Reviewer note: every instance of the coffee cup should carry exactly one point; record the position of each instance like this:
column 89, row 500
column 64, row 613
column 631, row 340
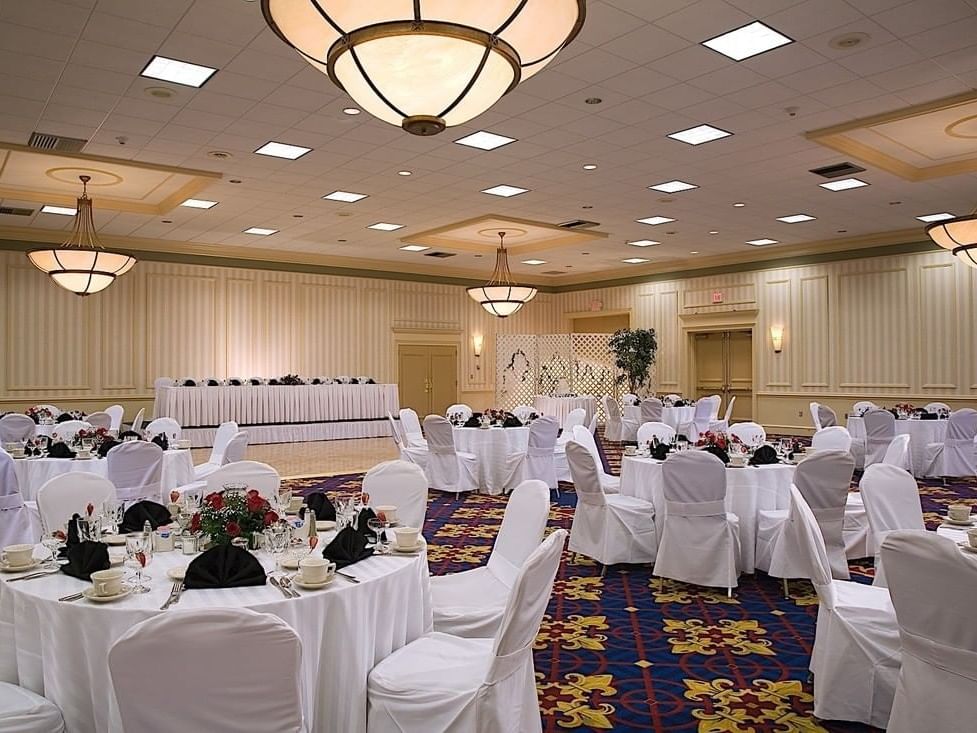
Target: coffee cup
column 407, row 537
column 83, row 453
column 107, row 582
column 315, row 569
column 17, row 555
column 389, row 511
column 959, row 512
column 17, row 452
column 630, row 450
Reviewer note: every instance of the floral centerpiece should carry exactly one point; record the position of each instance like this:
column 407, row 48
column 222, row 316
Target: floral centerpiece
column 710, row 439
column 495, row 415
column 291, row 380
column 38, row 413
column 96, row 436
column 230, row 514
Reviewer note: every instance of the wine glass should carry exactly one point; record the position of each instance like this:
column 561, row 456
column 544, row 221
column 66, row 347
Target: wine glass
column 376, row 525
column 113, row 510
column 139, row 554
column 52, row 544
column 284, row 500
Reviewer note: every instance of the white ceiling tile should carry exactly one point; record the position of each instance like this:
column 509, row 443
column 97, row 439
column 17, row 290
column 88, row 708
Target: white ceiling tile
column 647, row 43
column 704, row 20
column 812, row 17
column 922, row 15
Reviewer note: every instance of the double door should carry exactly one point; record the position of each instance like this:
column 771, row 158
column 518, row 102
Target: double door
column 428, row 378
column 724, row 366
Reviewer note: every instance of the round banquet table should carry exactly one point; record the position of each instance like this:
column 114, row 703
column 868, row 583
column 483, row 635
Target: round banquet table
column 749, row 490
column 921, row 433
column 675, row 417
column 560, row 407
column 60, row 650
column 493, row 446
column 33, row 473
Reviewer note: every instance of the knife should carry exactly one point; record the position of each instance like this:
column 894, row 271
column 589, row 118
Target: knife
column 34, row 575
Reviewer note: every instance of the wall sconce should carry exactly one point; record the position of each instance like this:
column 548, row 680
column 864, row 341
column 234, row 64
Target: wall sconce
column 777, row 337
column 477, row 349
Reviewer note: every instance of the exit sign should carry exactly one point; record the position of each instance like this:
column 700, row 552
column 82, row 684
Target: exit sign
column 717, row 296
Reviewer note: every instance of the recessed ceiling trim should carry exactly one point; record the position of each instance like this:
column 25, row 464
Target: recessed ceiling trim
column 524, row 236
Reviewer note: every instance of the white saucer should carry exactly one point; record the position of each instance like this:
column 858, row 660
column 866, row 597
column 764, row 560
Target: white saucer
column 325, row 524
column 5, row 568
column 177, row 573
column 114, row 539
column 291, row 561
column 89, row 593
column 958, row 523
column 312, row 586
column 412, row 550
column 965, row 546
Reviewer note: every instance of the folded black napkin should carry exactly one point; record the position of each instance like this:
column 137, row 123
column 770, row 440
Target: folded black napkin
column 213, row 383
column 660, row 451
column 362, row 521
column 765, row 455
column 354, row 380
column 718, row 452
column 60, row 450
column 273, row 382
column 136, row 515
column 511, row 421
column 371, row 380
column 680, row 403
column 162, row 441
column 474, row 421
column 189, row 383
column 129, row 434
column 348, row 547
column 317, row 381
column 255, row 382
column 234, row 382
column 64, row 417
column 84, row 558
column 224, row 566
column 320, row 504
column 929, row 416
column 106, row 446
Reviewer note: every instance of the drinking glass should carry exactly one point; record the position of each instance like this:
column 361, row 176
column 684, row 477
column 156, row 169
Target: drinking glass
column 139, row 554
column 191, row 500
column 113, row 510
column 52, row 543
column 377, row 527
column 90, row 528
column 277, row 537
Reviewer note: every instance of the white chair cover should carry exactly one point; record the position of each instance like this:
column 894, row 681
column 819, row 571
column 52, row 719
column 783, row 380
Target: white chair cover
column 464, row 410
column 400, row 484
column 222, row 437
column 860, row 408
column 471, row 603
column 815, row 417
column 255, row 474
column 880, row 429
column 539, row 460
column 835, row 437
column 936, row 406
column 68, row 429
column 448, row 469
column 823, row 480
column 164, row 425
column 135, row 468
column 891, row 499
column 410, row 454
column 116, row 413
column 610, row 528
column 69, row 494
column 751, row 434
column 411, row 428
column 575, row 417
column 629, row 398
column 16, row 428
column 522, row 413
column 706, row 411
column 23, row 711
column 651, row 410
column 237, row 448
column 827, row 416
column 934, row 591
column 256, row 656
column 897, row 454
column 723, row 425
column 100, row 420
column 137, row 422
column 610, row 484
column 955, row 456
column 449, row 684
column 395, row 431
column 700, row 540
column 616, row 427
column 15, row 520
column 855, row 660
column 664, row 433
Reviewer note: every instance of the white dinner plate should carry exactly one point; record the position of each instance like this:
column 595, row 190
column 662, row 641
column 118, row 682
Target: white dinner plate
column 5, row 568
column 177, row 573
column 89, row 593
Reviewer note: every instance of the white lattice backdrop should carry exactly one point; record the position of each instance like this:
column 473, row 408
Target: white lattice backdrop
column 515, row 370
column 554, row 359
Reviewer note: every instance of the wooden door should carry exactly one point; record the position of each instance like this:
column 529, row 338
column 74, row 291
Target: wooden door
column 724, row 366
column 710, row 366
column 443, row 378
column 428, row 377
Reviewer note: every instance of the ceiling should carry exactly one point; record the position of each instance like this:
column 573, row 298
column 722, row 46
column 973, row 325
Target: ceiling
column 71, row 68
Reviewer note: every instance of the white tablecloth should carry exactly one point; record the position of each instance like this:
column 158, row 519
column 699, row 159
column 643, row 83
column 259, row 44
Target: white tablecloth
column 920, row 432
column 748, row 491
column 493, row 446
column 560, row 407
column 673, row 416
column 60, row 650
column 33, row 473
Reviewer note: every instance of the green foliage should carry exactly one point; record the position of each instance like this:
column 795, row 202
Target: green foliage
column 634, row 353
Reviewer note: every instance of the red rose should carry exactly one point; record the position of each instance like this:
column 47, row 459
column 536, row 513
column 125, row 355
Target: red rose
column 232, row 528
column 195, row 522
column 214, row 501
column 270, row 518
column 255, row 503
column 59, row 534
column 252, row 492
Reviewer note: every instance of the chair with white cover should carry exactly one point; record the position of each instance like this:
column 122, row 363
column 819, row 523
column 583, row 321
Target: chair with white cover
column 237, row 448
column 23, row 711
column 860, row 408
column 955, row 456
column 164, row 426
column 257, row 657
column 609, row 528
column 823, row 480
column 673, row 398
column 700, row 541
column 891, row 498
column 815, row 417
column 463, row 410
column 897, row 454
column 400, row 484
column 706, row 411
column 138, row 420
column 116, row 413
column 68, row 429
column 610, row 484
column 449, row 684
column 936, row 407
column 651, row 410
column 827, row 416
column 617, row 428
column 410, row 427
column 522, row 413
column 880, row 429
column 447, row 468
column 856, row 655
column 629, row 399
column 68, row 494
column 225, row 431
column 410, row 454
column 135, row 469
column 99, row 420
column 750, row 434
column 255, row 474
column 835, row 437
column 575, row 417
column 15, row 520
column 723, row 425
column 539, row 460
column 649, row 430
column 16, row 428
column 471, row 603
column 933, row 587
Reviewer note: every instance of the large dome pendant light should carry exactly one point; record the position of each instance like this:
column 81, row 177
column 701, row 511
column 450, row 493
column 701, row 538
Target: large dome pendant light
column 500, row 296
column 426, row 64
column 959, row 235
column 81, row 265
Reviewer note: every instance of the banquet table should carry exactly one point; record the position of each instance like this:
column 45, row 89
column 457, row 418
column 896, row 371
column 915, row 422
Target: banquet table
column 560, row 407
column 60, row 650
column 920, row 432
column 281, row 413
column 749, row 490
column 675, row 417
column 493, row 446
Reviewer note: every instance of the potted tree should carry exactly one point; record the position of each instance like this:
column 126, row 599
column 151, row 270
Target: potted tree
column 634, row 353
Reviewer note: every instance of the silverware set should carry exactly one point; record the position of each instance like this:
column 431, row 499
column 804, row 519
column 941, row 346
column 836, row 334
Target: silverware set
column 34, row 575
column 72, row 597
column 284, row 585
column 175, row 592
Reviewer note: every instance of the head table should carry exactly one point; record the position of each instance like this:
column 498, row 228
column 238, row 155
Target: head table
column 921, row 433
column 60, row 649
column 560, row 407
column 493, row 446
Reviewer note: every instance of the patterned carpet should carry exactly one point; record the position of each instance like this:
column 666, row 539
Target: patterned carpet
column 614, row 653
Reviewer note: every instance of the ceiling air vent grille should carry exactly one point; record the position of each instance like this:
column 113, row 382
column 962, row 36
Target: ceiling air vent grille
column 44, row 141
column 15, row 211
column 552, row 272
column 578, row 224
column 440, row 255
column 838, row 170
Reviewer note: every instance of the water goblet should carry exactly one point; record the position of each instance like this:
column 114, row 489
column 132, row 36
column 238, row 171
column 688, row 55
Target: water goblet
column 139, row 554
column 52, row 543
column 376, row 525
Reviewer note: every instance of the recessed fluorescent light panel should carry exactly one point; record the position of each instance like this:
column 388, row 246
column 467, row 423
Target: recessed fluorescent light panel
column 795, row 218
column 199, row 204
column 673, row 187
column 485, row 140
column 345, row 196
column 282, row 150
column 590, row 167
column 654, row 220
column 414, row 248
column 929, row 218
column 844, row 184
column 762, row 242
column 699, row 134
column 643, row 243
column 178, row 72
column 505, row 191
column 260, row 231
column 750, row 40
column 635, row 260
column 534, row 262
column 383, row 226
column 63, row 210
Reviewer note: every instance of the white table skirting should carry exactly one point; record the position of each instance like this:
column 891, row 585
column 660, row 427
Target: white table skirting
column 560, row 407
column 920, row 432
column 749, row 490
column 676, row 417
column 493, row 446
column 60, row 650
column 273, row 413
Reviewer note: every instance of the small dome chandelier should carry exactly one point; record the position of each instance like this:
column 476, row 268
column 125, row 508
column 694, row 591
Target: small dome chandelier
column 81, row 264
column 500, row 296
column 959, row 235
column 428, row 64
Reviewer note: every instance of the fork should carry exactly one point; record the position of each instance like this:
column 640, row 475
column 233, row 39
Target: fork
column 274, row 581
column 174, row 594
column 34, row 575
column 286, row 582
column 72, row 597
